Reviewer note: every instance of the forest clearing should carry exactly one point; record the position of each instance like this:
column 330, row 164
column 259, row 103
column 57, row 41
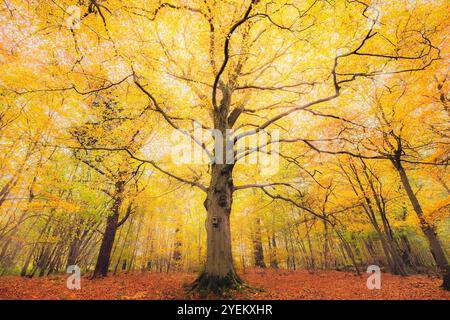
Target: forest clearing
column 208, row 148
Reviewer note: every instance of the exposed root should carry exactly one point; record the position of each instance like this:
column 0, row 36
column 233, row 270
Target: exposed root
column 220, row 286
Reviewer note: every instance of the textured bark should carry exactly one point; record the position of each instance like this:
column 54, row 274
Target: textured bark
column 219, row 260
column 104, row 256
column 219, row 274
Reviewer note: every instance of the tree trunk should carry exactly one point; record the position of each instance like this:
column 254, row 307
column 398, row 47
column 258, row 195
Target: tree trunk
column 44, row 230
column 429, row 230
column 311, row 252
column 273, row 252
column 122, row 247
column 219, row 274
column 104, row 256
column 349, row 251
column 257, row 245
column 325, row 242
column 74, row 250
column 177, row 246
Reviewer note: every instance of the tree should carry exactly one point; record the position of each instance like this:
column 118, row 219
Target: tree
column 239, row 73
column 118, row 172
column 262, row 66
column 404, row 133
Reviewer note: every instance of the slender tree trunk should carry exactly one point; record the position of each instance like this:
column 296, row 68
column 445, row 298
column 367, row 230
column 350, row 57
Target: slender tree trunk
column 391, row 261
column 122, row 247
column 288, row 251
column 390, row 239
column 135, row 245
column 55, row 258
column 177, row 246
column 273, row 258
column 349, row 251
column 407, row 253
column 395, row 265
column 74, row 249
column 429, row 230
column 257, row 245
column 19, row 222
column 311, row 252
column 291, row 242
column 44, row 230
column 326, row 242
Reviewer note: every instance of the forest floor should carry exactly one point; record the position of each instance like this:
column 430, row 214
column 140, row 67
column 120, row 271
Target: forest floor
column 276, row 284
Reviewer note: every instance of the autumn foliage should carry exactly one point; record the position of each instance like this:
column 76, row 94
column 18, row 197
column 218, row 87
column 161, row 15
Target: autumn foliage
column 308, row 139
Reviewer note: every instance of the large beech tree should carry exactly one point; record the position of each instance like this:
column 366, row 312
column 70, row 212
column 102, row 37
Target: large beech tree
column 246, row 66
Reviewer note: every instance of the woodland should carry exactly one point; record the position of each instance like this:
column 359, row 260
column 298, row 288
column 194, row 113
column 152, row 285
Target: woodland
column 267, row 149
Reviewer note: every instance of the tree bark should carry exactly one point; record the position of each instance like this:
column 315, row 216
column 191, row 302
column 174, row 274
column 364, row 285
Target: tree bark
column 310, row 248
column 219, row 274
column 273, row 252
column 257, row 246
column 349, row 251
column 437, row 251
column 326, row 240
column 104, row 256
column 177, row 246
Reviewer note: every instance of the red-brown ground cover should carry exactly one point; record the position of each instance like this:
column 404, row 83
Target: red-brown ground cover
column 277, row 284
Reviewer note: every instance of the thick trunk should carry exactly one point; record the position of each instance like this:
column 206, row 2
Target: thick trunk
column 104, row 256
column 219, row 273
column 219, row 260
column 429, row 230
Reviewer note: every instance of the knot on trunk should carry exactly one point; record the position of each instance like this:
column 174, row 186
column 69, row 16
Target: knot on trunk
column 223, row 200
